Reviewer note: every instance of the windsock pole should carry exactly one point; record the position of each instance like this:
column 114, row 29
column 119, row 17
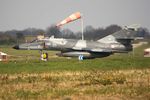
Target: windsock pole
column 82, row 28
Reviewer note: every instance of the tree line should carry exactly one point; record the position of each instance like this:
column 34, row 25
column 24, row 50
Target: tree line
column 90, row 33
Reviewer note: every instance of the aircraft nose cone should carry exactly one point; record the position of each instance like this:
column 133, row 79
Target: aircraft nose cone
column 16, row 47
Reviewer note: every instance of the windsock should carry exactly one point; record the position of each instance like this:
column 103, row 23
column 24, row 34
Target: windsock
column 71, row 18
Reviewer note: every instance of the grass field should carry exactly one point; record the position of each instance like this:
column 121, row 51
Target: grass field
column 120, row 76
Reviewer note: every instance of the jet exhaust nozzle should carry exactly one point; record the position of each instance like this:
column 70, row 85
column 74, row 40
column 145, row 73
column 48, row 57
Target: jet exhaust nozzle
column 16, row 47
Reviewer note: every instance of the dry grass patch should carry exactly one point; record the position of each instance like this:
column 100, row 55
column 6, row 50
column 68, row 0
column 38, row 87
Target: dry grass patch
column 94, row 84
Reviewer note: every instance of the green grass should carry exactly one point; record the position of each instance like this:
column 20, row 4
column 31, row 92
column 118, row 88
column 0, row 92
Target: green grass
column 74, row 65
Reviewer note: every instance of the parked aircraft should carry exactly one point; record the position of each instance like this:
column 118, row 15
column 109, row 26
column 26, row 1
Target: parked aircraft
column 118, row 42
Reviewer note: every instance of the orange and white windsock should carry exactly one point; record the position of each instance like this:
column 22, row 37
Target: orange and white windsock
column 71, row 18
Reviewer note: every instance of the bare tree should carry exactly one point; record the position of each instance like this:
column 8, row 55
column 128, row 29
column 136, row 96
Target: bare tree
column 53, row 30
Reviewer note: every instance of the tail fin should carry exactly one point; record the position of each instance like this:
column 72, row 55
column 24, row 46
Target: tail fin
column 133, row 27
column 125, row 35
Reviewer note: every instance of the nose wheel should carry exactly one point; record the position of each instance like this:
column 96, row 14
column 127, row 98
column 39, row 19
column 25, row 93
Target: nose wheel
column 43, row 56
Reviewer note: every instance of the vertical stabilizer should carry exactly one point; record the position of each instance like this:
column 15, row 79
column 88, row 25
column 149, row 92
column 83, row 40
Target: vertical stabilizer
column 125, row 35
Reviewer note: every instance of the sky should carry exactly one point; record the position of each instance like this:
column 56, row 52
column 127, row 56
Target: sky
column 22, row 14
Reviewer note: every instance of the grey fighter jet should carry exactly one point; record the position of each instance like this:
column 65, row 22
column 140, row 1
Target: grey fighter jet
column 118, row 42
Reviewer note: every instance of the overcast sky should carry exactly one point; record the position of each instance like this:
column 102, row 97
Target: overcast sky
column 21, row 14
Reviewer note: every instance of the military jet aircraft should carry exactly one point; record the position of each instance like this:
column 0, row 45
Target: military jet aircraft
column 118, row 42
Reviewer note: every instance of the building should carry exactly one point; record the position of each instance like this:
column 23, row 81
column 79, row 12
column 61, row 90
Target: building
column 3, row 56
column 147, row 52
